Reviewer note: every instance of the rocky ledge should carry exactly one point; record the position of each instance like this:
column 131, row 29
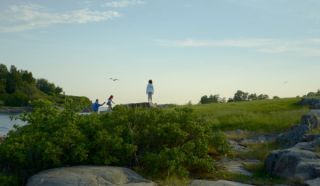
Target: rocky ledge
column 88, row 175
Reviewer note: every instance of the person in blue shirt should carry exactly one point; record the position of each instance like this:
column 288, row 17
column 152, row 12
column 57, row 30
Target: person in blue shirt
column 96, row 105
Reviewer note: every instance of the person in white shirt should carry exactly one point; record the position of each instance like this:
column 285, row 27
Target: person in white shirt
column 150, row 91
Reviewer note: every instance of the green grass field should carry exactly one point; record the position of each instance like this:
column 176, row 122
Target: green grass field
column 261, row 116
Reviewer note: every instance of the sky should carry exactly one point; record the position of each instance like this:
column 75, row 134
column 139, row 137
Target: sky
column 189, row 48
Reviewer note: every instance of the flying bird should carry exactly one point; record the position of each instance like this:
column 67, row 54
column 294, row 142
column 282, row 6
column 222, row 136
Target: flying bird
column 114, row 79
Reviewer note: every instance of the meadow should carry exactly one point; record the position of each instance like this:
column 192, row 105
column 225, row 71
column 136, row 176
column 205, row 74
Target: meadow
column 261, row 115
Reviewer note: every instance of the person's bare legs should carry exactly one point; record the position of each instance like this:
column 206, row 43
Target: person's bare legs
column 149, row 98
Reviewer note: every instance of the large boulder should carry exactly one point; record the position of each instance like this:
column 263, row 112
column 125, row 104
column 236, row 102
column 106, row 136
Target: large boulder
column 88, row 175
column 299, row 162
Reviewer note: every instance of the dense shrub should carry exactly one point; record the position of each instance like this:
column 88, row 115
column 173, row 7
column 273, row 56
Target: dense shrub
column 157, row 141
column 16, row 99
column 7, row 180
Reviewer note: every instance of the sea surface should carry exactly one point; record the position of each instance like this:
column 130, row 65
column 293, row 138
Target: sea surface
column 7, row 124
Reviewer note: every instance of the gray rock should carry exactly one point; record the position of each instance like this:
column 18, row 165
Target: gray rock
column 314, row 182
column 216, row 183
column 298, row 162
column 311, row 102
column 293, row 136
column 308, row 122
column 88, row 175
column 237, row 147
column 259, row 139
column 311, row 145
column 310, row 137
column 236, row 166
column 312, row 120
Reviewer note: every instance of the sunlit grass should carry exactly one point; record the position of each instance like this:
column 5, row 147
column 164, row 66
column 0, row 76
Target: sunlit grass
column 173, row 181
column 260, row 116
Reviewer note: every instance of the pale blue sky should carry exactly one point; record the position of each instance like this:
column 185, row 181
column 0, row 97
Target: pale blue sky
column 189, row 48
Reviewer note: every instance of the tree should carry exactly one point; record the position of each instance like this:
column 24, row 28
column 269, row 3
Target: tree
column 230, row 100
column 58, row 90
column 3, row 78
column 263, row 96
column 13, row 79
column 313, row 94
column 240, row 96
column 211, row 99
column 27, row 77
column 47, row 87
column 204, row 99
column 252, row 97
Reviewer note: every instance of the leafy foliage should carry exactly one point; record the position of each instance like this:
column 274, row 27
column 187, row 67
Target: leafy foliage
column 161, row 142
column 19, row 88
column 313, row 94
column 211, row 99
column 47, row 87
column 6, row 179
column 238, row 96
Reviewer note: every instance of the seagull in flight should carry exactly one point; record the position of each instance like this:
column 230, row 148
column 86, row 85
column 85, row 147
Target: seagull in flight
column 114, row 79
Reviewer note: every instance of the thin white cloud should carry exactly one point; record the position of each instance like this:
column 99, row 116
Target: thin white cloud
column 30, row 16
column 242, row 43
column 123, row 3
column 308, row 47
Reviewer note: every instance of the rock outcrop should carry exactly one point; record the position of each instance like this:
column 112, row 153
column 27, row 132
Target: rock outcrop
column 297, row 133
column 301, row 162
column 312, row 102
column 88, row 175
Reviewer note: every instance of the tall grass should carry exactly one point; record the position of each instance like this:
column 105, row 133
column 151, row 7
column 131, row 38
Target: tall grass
column 260, row 116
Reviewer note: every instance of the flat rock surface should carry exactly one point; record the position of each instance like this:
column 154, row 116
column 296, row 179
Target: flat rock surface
column 216, row 183
column 236, row 166
column 88, row 176
column 314, row 182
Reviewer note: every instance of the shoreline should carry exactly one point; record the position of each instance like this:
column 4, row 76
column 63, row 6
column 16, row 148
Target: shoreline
column 14, row 110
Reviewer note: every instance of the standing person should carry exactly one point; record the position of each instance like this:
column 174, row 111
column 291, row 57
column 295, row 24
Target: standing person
column 96, row 105
column 109, row 102
column 150, row 91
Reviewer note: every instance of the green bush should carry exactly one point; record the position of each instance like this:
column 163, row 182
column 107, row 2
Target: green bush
column 16, row 99
column 161, row 142
column 7, row 180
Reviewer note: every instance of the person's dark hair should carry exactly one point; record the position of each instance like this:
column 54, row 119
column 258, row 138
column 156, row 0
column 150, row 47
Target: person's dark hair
column 150, row 81
column 97, row 100
column 111, row 96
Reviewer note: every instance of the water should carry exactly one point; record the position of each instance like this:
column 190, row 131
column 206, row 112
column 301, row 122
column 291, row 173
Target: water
column 7, row 124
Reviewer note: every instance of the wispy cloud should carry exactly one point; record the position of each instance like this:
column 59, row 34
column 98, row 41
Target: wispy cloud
column 31, row 16
column 123, row 3
column 308, row 47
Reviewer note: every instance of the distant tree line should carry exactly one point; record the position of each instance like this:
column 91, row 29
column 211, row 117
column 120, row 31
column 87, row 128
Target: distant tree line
column 19, row 87
column 238, row 96
column 313, row 94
